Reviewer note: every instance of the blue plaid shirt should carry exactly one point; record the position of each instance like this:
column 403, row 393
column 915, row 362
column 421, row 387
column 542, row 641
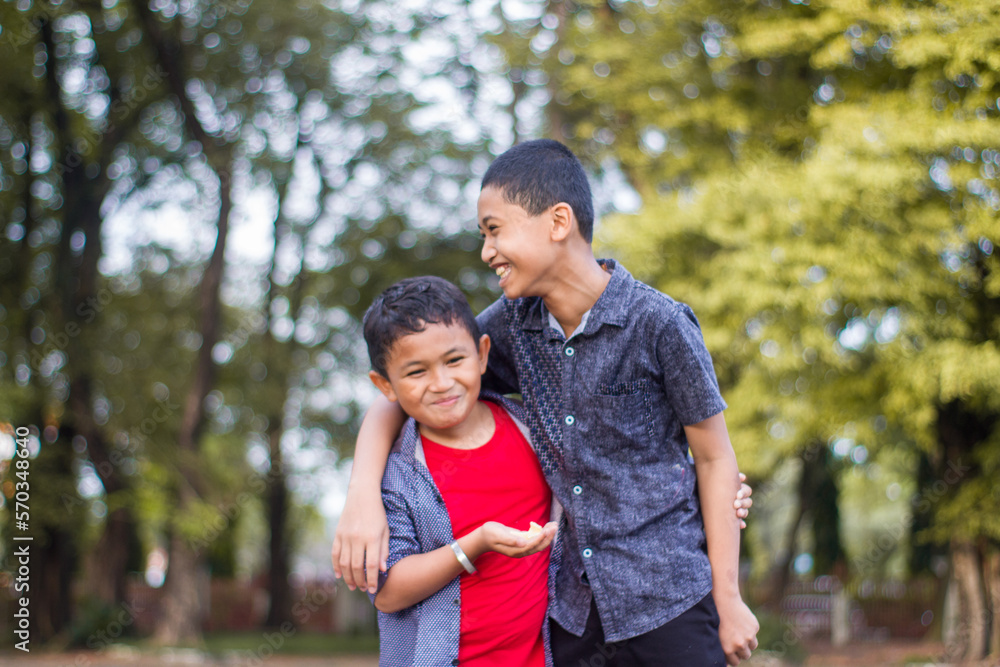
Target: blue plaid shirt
column 427, row 634
column 606, row 410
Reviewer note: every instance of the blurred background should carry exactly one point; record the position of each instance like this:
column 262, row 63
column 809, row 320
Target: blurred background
column 199, row 199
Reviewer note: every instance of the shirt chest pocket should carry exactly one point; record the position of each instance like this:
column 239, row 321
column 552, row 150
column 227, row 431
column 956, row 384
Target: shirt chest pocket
column 624, row 419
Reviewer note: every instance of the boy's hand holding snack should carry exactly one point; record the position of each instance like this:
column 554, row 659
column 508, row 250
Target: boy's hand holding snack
column 494, row 536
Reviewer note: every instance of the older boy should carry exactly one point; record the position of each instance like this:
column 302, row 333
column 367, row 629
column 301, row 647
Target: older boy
column 617, row 385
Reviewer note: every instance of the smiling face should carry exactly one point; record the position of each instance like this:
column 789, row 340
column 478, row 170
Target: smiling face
column 521, row 248
column 435, row 375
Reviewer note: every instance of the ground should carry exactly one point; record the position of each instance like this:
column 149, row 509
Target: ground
column 889, row 654
column 85, row 659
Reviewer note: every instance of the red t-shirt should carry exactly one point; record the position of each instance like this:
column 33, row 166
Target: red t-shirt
column 504, row 604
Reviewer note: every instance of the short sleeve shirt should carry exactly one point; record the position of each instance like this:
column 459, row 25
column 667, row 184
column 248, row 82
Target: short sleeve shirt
column 504, row 604
column 428, row 633
column 607, row 410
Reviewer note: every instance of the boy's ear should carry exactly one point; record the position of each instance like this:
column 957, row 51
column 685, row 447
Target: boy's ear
column 383, row 385
column 563, row 221
column 484, row 352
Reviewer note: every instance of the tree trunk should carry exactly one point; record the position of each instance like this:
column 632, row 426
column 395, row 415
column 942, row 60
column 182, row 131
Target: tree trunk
column 817, row 497
column 277, row 358
column 181, row 597
column 783, row 570
column 181, row 613
column 52, row 605
column 76, row 284
column 923, row 553
column 53, row 551
column 960, row 430
column 280, row 595
column 107, row 567
column 280, row 608
column 180, row 622
column 828, row 550
column 970, row 639
column 992, row 578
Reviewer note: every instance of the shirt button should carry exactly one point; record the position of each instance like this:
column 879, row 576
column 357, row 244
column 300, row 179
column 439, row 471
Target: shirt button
column 570, row 352
column 577, row 490
column 456, row 601
column 588, row 552
column 570, row 419
column 455, row 662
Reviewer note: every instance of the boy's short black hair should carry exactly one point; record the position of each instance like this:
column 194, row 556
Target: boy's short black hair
column 541, row 173
column 407, row 308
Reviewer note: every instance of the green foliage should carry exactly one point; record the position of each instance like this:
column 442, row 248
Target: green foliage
column 820, row 182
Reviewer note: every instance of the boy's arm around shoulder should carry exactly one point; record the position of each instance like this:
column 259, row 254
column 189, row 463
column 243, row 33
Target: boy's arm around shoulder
column 361, row 543
column 718, row 482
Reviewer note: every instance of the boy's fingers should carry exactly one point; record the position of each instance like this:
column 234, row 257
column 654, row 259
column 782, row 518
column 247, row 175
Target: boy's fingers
column 358, row 565
column 335, row 556
column 372, row 564
column 345, row 566
column 384, row 553
column 546, row 539
column 511, row 537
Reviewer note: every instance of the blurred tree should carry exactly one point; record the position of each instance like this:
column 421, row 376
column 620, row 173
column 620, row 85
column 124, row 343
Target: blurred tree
column 74, row 95
column 125, row 106
column 362, row 184
column 318, row 95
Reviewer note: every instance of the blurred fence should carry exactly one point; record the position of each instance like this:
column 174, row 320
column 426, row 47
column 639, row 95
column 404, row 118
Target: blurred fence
column 229, row 605
column 869, row 610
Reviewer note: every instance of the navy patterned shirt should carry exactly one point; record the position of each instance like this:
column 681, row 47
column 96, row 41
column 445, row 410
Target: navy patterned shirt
column 606, row 410
column 427, row 634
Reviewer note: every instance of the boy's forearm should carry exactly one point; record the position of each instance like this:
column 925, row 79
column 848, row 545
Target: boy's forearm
column 378, row 431
column 415, row 578
column 718, row 482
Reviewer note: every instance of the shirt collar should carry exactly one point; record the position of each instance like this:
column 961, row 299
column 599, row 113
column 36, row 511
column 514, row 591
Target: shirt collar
column 611, row 307
column 410, row 444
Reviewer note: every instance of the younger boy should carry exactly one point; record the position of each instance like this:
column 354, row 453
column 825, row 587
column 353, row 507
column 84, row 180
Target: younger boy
column 617, row 387
column 461, row 468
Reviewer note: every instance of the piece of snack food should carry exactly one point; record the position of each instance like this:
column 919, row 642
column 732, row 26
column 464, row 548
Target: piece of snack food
column 533, row 529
